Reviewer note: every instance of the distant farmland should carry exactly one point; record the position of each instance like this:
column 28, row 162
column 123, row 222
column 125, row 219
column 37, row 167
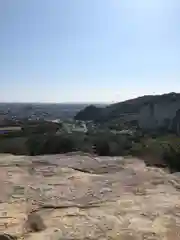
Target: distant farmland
column 9, row 129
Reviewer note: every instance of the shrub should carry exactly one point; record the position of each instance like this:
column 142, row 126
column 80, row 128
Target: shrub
column 50, row 144
column 171, row 155
column 102, row 148
column 160, row 151
column 16, row 146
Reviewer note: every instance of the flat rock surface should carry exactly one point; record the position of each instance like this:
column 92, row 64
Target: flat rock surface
column 72, row 196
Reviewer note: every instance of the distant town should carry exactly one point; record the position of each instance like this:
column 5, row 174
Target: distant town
column 13, row 116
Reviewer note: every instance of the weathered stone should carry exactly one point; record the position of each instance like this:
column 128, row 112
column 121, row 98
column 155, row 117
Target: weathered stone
column 34, row 223
column 7, row 237
column 121, row 199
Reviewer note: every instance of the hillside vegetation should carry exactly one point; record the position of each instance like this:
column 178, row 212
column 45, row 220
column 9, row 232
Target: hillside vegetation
column 138, row 108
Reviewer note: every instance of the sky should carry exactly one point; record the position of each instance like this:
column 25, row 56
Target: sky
column 88, row 50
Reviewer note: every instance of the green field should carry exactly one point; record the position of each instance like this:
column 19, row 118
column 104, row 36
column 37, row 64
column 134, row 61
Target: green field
column 10, row 128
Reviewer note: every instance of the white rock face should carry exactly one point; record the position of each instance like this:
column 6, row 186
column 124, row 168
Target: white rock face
column 156, row 115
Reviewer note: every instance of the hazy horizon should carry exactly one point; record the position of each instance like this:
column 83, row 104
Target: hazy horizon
column 93, row 51
column 83, row 103
column 70, row 103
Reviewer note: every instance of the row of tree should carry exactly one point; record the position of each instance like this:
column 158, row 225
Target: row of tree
column 156, row 148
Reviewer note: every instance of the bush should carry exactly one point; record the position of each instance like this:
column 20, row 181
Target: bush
column 16, row 146
column 161, row 152
column 112, row 144
column 171, row 155
column 35, row 144
column 50, row 144
column 102, row 148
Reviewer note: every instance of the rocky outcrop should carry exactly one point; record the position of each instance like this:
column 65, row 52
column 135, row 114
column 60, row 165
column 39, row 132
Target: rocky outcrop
column 163, row 114
column 87, row 197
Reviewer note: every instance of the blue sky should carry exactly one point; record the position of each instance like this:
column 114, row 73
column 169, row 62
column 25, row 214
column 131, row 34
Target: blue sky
column 88, row 50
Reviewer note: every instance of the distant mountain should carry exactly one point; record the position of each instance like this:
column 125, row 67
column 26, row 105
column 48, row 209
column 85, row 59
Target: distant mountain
column 150, row 111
